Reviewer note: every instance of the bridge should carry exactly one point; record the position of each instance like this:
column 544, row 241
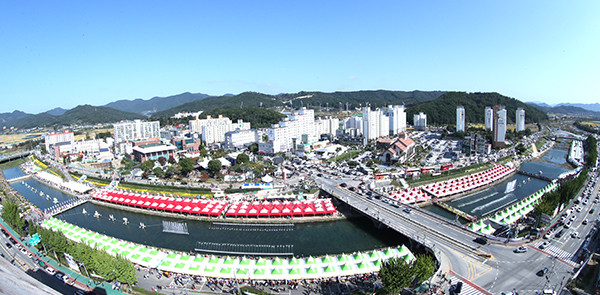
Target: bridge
column 14, row 156
column 65, row 206
column 17, row 179
column 535, row 175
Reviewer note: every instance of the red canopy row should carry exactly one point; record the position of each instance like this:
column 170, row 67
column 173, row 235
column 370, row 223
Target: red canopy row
column 163, row 203
column 410, row 195
column 276, row 208
column 466, row 183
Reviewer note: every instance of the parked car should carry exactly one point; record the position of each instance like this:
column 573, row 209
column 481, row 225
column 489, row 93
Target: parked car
column 50, row 270
column 481, row 240
column 542, row 272
column 544, row 245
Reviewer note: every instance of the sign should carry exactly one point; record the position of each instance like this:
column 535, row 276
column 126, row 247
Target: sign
column 72, row 264
column 34, row 240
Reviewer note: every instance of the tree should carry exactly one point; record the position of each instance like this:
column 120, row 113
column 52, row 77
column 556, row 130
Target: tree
column 159, row 172
column 242, row 158
column 186, row 165
column 214, row 166
column 395, row 275
column 147, row 165
column 162, row 161
column 253, row 148
column 423, row 268
column 172, row 160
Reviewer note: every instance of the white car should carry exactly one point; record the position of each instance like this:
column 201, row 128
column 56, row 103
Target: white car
column 575, row 235
column 50, row 270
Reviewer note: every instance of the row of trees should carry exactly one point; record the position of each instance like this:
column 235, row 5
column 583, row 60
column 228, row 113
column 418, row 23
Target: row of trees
column 96, row 261
column 562, row 195
column 397, row 274
column 590, row 145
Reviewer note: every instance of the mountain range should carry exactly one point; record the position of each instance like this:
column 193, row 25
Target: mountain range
column 431, row 102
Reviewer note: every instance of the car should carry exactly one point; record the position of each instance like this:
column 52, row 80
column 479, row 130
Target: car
column 480, row 240
column 575, row 235
column 59, row 275
column 50, row 270
column 547, row 235
column 544, row 245
column 585, row 222
column 407, row 210
column 343, row 184
column 521, row 249
column 370, row 197
column 559, row 234
column 592, row 211
column 8, row 245
column 542, row 272
column 573, row 217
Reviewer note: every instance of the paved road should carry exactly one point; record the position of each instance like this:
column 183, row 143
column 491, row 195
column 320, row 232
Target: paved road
column 463, row 259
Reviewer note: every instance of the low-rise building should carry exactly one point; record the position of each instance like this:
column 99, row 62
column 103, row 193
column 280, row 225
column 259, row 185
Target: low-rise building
column 153, row 152
column 400, row 150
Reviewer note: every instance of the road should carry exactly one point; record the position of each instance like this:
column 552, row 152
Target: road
column 461, row 258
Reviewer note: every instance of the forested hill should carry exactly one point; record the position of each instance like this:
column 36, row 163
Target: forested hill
column 80, row 115
column 442, row 110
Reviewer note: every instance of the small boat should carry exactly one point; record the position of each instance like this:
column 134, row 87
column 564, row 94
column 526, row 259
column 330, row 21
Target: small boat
column 55, row 200
column 125, row 221
column 142, row 225
column 111, row 217
column 83, row 211
column 41, row 194
column 96, row 214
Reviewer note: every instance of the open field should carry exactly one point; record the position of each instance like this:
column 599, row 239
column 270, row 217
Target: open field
column 15, row 138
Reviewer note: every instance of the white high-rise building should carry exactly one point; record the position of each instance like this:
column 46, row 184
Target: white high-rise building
column 489, row 118
column 397, row 117
column 240, row 138
column 499, row 134
column 420, row 121
column 136, row 130
column 460, row 119
column 371, row 123
column 290, row 131
column 520, row 120
column 326, row 125
column 212, row 130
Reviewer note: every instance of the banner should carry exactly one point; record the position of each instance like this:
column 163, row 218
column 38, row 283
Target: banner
column 72, row 264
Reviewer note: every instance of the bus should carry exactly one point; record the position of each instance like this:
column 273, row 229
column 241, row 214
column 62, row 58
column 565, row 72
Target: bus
column 445, row 167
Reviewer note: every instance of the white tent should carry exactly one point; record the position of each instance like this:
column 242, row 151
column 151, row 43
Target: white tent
column 267, row 179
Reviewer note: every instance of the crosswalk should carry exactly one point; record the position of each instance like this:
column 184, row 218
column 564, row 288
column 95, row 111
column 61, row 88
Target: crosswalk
column 466, row 288
column 557, row 252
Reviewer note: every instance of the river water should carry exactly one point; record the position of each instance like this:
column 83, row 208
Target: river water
column 512, row 189
column 304, row 239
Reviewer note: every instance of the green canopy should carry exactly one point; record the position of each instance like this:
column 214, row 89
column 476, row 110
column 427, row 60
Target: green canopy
column 245, row 261
column 276, row 271
column 326, row 259
column 310, row 260
column 213, row 259
column 328, row 269
column 261, row 261
column 209, row 269
column 346, row 267
column 362, row 265
column 387, row 252
column 343, row 258
column 229, row 260
column 294, row 261
column 373, row 254
column 259, row 271
column 242, row 271
column 277, row 261
column 294, row 271
column 311, row 270
column 377, row 263
column 225, row 270
column 358, row 256
column 407, row 258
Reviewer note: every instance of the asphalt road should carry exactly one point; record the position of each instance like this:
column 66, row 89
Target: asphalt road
column 462, row 258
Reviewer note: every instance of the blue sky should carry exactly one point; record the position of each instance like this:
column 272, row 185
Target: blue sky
column 62, row 54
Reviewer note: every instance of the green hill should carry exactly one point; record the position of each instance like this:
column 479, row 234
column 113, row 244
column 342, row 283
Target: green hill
column 355, row 99
column 155, row 104
column 80, row 115
column 246, row 99
column 442, row 110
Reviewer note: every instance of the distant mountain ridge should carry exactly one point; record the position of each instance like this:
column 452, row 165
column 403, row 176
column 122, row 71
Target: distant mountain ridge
column 155, row 104
column 80, row 115
column 568, row 109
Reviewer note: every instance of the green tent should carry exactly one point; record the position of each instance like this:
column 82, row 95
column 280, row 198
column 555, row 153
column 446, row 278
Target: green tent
column 277, row 271
column 373, row 254
column 377, row 263
column 407, row 258
column 362, row 265
column 294, row 261
column 346, row 267
column 225, row 270
column 343, row 258
column 294, row 271
column 312, row 270
column 326, row 259
column 310, row 260
column 277, row 261
column 229, row 260
column 358, row 256
column 242, row 271
column 328, row 269
column 259, row 271
column 213, row 259
column 199, row 259
column 261, row 261
column 387, row 252
column 209, row 269
column 245, row 261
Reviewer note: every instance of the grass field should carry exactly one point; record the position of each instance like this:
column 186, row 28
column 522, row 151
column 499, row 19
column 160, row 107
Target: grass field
column 15, row 138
